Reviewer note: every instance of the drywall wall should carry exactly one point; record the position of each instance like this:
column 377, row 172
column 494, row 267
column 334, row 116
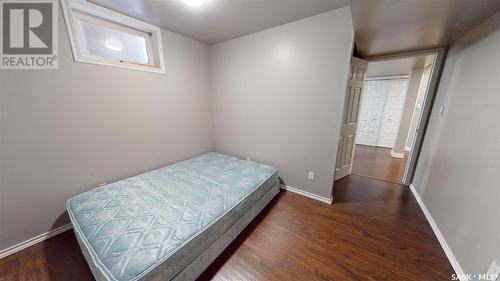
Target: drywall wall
column 417, row 112
column 408, row 109
column 279, row 94
column 390, row 67
column 65, row 131
column 2, row 188
column 458, row 173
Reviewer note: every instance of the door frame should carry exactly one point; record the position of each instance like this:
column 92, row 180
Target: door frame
column 430, row 95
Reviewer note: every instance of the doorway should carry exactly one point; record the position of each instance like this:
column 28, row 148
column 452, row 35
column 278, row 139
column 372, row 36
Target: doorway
column 394, row 104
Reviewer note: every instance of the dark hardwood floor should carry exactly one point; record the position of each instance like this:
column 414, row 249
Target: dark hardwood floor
column 375, row 230
column 376, row 162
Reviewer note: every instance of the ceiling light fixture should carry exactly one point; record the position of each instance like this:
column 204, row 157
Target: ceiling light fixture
column 194, row 3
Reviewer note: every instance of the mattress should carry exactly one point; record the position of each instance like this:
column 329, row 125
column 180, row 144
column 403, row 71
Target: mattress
column 198, row 266
column 157, row 223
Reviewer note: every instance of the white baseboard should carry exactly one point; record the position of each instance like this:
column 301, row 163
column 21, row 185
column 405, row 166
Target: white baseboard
column 307, row 194
column 397, row 155
column 449, row 254
column 37, row 239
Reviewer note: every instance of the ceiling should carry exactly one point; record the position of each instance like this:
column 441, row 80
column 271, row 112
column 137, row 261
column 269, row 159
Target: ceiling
column 397, row 66
column 390, row 26
column 382, row 26
column 220, row 20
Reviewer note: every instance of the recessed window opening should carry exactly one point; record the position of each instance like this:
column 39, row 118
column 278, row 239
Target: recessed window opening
column 101, row 36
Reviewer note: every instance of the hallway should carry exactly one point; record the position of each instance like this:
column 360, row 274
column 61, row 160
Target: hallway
column 377, row 163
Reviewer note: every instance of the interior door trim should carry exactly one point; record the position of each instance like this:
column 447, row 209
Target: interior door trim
column 430, row 95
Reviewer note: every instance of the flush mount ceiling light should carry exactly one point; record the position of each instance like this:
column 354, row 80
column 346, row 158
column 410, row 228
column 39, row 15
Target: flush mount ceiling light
column 194, row 3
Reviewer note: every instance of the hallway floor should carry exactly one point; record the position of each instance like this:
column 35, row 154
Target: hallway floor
column 377, row 163
column 374, row 230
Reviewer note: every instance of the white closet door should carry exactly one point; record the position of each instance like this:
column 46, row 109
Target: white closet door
column 371, row 112
column 393, row 109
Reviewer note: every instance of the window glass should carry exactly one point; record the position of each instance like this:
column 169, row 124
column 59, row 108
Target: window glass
column 103, row 41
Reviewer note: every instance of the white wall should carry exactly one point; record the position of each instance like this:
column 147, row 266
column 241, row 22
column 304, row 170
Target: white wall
column 458, row 173
column 408, row 109
column 417, row 111
column 390, row 67
column 65, row 131
column 279, row 93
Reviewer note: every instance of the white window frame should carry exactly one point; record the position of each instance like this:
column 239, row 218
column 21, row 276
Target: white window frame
column 76, row 10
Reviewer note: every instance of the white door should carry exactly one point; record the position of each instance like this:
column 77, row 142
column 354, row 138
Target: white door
column 393, row 109
column 345, row 149
column 371, row 112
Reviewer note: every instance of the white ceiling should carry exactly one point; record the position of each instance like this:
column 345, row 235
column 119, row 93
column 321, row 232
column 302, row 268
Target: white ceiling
column 382, row 26
column 220, row 20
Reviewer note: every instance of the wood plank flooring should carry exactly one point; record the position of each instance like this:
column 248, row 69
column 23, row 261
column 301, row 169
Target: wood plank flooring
column 376, row 162
column 373, row 231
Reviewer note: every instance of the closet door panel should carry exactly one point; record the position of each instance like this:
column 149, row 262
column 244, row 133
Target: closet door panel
column 371, row 112
column 393, row 109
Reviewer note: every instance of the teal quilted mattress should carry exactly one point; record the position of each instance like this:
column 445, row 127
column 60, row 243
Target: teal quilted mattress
column 163, row 219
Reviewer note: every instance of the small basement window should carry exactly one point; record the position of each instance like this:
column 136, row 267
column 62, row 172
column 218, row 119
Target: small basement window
column 105, row 37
